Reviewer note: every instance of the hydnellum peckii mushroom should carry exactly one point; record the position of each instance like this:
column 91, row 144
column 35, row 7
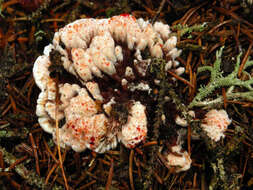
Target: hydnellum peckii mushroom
column 109, row 59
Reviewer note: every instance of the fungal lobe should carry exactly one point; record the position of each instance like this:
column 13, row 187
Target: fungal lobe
column 104, row 88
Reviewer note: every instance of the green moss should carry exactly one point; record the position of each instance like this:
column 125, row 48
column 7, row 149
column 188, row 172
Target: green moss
column 185, row 29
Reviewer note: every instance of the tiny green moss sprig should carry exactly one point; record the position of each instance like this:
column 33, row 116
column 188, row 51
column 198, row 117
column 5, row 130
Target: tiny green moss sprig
column 157, row 69
column 217, row 80
column 185, row 29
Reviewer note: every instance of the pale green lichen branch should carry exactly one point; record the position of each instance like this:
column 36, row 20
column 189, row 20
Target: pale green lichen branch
column 249, row 63
column 217, row 80
column 248, row 96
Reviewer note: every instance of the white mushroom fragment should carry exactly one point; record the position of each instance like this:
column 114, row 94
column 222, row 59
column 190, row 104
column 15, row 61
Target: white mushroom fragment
column 215, row 124
column 135, row 130
column 179, row 159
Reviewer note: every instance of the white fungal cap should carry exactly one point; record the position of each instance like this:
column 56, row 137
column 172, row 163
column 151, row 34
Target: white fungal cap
column 84, row 126
column 180, row 121
column 92, row 49
column 48, row 49
column 104, row 43
column 82, row 63
column 180, row 70
column 215, row 124
column 156, row 51
column 126, row 29
column 179, row 159
column 94, row 42
column 162, row 29
column 168, row 65
column 118, row 53
column 94, row 90
column 135, row 130
column 100, row 55
column 124, row 82
column 170, row 43
column 45, row 109
column 41, row 72
column 44, row 120
column 68, row 138
column 174, row 53
column 129, row 72
column 175, row 63
column 95, row 131
column 102, row 62
column 78, row 33
column 138, row 55
column 81, row 106
column 67, row 91
column 84, row 132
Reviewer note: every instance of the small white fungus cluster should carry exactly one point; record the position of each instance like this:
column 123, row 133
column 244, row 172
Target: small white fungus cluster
column 91, row 49
column 215, row 124
column 179, row 159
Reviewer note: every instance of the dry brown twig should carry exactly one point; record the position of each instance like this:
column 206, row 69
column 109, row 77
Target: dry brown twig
column 57, row 135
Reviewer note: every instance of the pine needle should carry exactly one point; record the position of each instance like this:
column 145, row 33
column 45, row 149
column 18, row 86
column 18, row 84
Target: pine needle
column 57, row 134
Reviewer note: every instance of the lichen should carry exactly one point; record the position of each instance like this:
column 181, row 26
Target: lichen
column 217, row 80
column 221, row 179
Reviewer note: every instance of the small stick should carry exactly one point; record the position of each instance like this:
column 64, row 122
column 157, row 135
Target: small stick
column 49, row 151
column 189, row 139
column 131, row 169
column 244, row 60
column 150, row 143
column 2, row 166
column 180, row 78
column 158, row 178
column 109, row 179
column 34, row 147
column 51, row 172
column 137, row 163
column 87, row 185
column 158, row 11
column 57, row 135
column 17, row 162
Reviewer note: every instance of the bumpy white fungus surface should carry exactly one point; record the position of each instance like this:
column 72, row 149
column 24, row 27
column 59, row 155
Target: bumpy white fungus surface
column 91, row 50
column 135, row 130
column 179, row 159
column 215, row 124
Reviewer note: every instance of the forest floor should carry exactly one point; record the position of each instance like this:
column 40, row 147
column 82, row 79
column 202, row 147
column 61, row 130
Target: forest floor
column 28, row 156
